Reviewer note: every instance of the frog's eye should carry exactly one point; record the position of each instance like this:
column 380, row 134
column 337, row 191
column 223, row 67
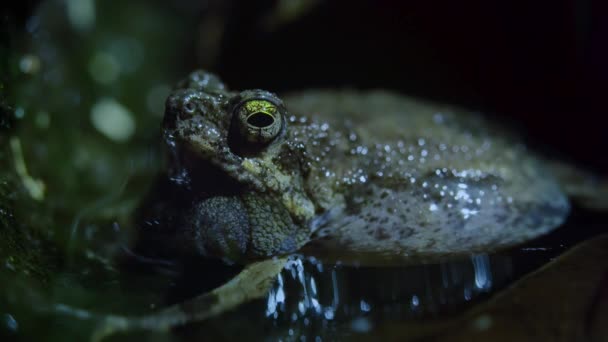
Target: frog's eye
column 259, row 121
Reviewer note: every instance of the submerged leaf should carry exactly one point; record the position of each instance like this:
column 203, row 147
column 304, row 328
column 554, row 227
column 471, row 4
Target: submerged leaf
column 542, row 306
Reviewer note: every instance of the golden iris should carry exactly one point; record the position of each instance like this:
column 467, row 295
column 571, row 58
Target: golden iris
column 259, row 121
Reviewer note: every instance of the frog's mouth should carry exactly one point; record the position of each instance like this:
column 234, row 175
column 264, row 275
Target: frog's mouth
column 198, row 153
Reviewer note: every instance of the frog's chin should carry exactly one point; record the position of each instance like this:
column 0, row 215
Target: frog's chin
column 221, row 229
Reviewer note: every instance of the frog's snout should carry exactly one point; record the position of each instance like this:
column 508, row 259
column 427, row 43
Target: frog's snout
column 183, row 104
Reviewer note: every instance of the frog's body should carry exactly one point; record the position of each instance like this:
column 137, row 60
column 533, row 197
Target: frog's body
column 364, row 174
column 417, row 179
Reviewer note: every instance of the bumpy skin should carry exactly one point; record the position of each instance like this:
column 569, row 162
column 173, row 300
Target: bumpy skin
column 364, row 174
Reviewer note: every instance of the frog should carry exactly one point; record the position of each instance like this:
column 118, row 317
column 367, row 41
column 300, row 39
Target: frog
column 373, row 173
column 370, row 177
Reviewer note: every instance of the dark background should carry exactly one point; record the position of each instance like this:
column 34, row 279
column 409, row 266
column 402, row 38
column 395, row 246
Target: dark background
column 539, row 64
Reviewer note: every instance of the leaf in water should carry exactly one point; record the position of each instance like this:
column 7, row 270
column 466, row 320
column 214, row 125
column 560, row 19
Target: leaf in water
column 252, row 283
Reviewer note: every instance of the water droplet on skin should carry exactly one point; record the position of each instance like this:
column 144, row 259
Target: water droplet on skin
column 466, row 212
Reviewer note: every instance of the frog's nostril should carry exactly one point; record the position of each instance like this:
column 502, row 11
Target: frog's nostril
column 260, row 120
column 190, row 107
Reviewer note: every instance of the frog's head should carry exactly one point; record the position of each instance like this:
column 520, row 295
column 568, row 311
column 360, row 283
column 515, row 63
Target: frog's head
column 219, row 125
column 234, row 144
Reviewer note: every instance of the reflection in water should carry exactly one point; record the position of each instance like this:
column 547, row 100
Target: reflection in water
column 314, row 298
column 483, row 274
column 10, row 323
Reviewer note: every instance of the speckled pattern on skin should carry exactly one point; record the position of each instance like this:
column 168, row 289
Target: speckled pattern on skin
column 417, row 178
column 357, row 173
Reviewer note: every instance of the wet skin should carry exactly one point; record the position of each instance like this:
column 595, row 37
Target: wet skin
column 364, row 174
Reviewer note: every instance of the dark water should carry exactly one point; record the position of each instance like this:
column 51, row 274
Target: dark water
column 316, row 300
column 77, row 70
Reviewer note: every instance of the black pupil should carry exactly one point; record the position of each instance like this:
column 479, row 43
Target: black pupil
column 260, row 120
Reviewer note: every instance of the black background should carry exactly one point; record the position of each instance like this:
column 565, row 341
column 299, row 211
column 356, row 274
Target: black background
column 539, row 64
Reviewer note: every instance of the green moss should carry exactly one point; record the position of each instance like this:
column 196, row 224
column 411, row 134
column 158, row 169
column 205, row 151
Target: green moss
column 23, row 248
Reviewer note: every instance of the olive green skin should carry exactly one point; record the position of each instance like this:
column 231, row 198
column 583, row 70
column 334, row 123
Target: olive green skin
column 363, row 174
